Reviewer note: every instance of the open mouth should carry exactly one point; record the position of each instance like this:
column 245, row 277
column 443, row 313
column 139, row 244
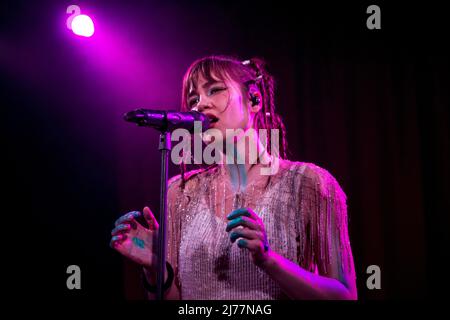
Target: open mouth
column 212, row 119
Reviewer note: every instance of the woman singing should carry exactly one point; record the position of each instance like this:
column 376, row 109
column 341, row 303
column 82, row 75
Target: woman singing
column 234, row 231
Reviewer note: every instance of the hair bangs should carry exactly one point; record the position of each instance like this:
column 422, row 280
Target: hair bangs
column 211, row 68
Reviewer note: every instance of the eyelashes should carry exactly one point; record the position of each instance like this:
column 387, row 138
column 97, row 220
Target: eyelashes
column 214, row 90
column 192, row 102
column 211, row 92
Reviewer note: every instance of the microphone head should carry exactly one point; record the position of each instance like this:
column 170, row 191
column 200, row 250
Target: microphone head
column 131, row 116
column 168, row 120
column 198, row 116
column 186, row 120
column 141, row 116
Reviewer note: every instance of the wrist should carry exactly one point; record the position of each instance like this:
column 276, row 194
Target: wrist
column 149, row 274
column 150, row 279
column 148, row 269
column 270, row 262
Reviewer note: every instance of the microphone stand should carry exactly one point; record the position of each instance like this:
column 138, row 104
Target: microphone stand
column 163, row 121
column 164, row 147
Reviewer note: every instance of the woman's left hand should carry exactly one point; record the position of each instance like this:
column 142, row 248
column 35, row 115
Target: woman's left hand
column 252, row 236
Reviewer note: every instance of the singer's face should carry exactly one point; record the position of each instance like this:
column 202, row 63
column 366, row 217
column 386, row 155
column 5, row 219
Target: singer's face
column 223, row 101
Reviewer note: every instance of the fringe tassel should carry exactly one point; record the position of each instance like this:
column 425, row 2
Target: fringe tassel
column 323, row 223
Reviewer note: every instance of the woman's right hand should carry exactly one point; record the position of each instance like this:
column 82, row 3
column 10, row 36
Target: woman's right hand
column 133, row 240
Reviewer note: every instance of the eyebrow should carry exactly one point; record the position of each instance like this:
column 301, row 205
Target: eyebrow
column 204, row 86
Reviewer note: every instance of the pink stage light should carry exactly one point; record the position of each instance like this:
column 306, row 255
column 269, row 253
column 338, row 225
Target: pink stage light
column 80, row 24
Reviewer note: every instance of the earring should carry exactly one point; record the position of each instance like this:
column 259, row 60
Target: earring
column 255, row 100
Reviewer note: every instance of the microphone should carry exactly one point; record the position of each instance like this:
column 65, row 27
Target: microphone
column 167, row 120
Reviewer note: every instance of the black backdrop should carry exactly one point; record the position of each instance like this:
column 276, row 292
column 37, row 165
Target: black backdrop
column 370, row 106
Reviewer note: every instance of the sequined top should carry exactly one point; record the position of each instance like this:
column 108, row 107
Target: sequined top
column 304, row 213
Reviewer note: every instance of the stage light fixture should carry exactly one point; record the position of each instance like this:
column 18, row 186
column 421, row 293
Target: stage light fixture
column 80, row 24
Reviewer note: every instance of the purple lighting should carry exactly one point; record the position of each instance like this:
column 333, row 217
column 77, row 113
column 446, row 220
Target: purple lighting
column 80, row 24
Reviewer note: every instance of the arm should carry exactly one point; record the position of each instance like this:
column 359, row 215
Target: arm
column 173, row 293
column 323, row 204
column 300, row 284
column 325, row 232
column 137, row 242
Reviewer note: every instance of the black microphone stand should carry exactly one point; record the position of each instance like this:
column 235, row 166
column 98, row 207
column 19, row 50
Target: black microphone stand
column 164, row 147
column 164, row 122
column 139, row 117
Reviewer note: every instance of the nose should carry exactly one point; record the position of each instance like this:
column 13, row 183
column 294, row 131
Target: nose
column 203, row 104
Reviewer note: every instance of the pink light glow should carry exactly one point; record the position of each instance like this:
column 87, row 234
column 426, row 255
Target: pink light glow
column 82, row 25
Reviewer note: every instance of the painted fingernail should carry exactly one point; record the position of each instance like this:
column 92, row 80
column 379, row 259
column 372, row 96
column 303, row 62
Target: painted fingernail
column 242, row 243
column 235, row 222
column 233, row 213
column 234, row 236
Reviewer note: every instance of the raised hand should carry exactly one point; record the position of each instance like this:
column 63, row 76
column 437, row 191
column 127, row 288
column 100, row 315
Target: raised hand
column 133, row 240
column 252, row 236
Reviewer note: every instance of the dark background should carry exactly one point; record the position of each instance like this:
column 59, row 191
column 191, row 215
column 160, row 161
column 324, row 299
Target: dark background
column 370, row 106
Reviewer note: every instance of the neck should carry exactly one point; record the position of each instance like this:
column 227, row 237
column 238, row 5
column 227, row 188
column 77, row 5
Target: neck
column 241, row 157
